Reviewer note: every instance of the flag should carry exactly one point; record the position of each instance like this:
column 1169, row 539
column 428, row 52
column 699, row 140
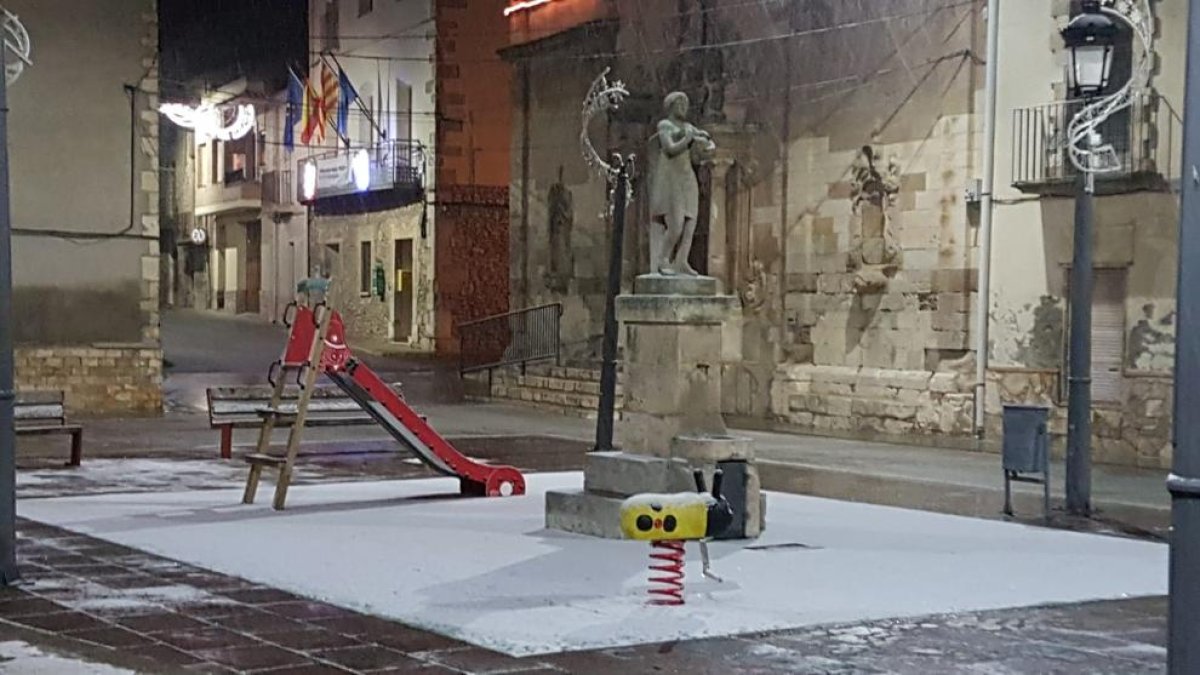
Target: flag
column 347, row 95
column 295, row 109
column 311, row 115
column 329, row 99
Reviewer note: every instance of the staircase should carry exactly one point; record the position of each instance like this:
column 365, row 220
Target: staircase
column 568, row 391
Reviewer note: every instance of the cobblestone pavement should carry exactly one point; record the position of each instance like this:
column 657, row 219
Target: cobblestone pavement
column 108, row 603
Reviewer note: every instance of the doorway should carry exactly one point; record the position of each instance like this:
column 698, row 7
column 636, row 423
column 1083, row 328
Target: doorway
column 253, row 285
column 402, row 298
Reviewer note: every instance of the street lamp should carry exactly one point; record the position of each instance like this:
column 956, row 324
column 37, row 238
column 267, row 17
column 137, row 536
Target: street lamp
column 1089, row 39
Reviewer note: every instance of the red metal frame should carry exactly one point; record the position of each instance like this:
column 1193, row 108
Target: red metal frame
column 476, row 478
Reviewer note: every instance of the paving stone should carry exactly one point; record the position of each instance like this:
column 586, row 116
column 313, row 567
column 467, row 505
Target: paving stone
column 167, row 656
column 260, row 596
column 308, row 669
column 113, row 637
column 254, row 622
column 162, row 623
column 367, row 658
column 60, row 622
column 312, row 640
column 256, row 657
column 405, row 639
column 477, row 660
column 306, row 610
column 209, row 638
column 24, row 605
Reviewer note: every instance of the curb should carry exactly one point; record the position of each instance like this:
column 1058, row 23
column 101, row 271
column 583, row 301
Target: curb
column 939, row 496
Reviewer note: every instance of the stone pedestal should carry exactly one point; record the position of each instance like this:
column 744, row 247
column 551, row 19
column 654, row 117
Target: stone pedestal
column 672, row 420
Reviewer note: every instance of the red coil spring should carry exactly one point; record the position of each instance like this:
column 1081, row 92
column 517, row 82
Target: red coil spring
column 667, row 557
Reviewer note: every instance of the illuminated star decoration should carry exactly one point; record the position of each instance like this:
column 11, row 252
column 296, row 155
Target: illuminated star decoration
column 209, row 121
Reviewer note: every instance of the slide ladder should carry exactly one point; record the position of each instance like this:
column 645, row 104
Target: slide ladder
column 317, row 336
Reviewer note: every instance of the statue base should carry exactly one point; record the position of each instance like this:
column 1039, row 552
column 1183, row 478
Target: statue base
column 672, row 421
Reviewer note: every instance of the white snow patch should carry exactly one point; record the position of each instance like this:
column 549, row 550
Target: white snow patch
column 486, row 571
column 23, row 658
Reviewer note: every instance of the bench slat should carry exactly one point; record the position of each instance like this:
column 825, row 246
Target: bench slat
column 40, row 411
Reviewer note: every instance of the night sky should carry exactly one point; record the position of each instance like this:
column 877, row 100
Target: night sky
column 220, row 40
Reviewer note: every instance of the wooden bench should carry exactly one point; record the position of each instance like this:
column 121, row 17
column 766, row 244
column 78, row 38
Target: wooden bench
column 243, row 407
column 40, row 413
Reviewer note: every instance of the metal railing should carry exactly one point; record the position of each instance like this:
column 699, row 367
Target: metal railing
column 278, row 187
column 1147, row 138
column 516, row 338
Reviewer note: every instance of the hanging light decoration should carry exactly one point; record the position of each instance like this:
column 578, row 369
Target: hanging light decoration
column 209, row 121
column 16, row 41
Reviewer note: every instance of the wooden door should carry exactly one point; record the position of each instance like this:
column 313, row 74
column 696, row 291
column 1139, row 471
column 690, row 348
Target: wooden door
column 402, row 297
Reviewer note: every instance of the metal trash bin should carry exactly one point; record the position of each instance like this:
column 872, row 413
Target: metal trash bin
column 1026, row 450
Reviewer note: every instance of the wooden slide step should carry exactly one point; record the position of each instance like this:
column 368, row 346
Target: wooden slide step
column 265, row 460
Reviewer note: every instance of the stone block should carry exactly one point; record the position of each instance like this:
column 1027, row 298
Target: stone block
column 622, row 474
column 657, row 284
column 675, row 309
column 712, row 449
column 584, row 513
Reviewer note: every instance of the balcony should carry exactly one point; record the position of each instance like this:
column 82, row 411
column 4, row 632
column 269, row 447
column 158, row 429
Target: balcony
column 279, row 191
column 385, row 176
column 1147, row 137
column 236, row 192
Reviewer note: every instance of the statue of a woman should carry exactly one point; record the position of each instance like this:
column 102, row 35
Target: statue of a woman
column 674, row 191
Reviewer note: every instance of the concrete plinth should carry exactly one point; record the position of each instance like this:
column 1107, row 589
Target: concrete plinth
column 671, row 423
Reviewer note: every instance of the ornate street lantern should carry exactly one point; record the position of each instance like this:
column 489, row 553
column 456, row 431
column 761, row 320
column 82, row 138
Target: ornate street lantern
column 1089, row 38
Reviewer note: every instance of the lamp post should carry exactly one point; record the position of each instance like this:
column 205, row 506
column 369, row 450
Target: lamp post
column 1184, row 483
column 1089, row 40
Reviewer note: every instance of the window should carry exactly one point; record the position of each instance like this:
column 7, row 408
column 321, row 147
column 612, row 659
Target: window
column 214, row 175
column 403, row 111
column 364, row 268
column 202, row 160
column 365, row 7
column 240, row 160
column 332, row 258
column 330, row 40
column 1108, row 335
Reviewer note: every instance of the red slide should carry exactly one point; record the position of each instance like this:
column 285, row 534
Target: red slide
column 391, row 411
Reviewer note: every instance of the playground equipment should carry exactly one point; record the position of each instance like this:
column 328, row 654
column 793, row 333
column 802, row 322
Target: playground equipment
column 667, row 522
column 317, row 346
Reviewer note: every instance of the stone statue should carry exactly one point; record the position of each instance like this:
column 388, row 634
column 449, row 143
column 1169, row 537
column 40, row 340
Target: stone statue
column 674, row 190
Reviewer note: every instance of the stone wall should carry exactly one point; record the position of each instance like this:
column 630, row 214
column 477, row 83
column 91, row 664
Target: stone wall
column 472, row 261
column 98, row 381
column 1135, row 431
column 368, row 317
column 871, row 402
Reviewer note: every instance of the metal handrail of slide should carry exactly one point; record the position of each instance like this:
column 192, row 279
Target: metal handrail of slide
column 515, row 338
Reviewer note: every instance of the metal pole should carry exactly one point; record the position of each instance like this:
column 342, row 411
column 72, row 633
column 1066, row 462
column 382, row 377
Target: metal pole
column 8, row 439
column 982, row 324
column 1184, row 483
column 608, row 367
column 1079, row 410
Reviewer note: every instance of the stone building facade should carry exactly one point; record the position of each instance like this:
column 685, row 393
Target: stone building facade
column 86, row 268
column 848, row 136
column 413, row 260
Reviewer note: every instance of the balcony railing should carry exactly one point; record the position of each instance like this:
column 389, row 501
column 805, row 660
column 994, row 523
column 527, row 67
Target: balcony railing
column 279, row 188
column 1147, row 138
column 394, row 167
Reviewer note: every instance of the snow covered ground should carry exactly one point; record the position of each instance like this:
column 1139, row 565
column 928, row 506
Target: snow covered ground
column 487, row 572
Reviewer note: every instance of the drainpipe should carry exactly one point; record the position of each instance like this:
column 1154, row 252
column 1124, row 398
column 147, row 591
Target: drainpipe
column 985, row 215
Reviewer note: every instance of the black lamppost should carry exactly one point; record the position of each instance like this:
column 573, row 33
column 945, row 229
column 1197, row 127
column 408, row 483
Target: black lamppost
column 1184, row 483
column 1089, row 39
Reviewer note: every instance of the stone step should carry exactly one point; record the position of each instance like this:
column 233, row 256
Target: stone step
column 583, row 513
column 621, row 474
column 544, row 382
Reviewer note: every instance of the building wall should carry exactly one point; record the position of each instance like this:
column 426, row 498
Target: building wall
column 1135, row 233
column 380, row 68
column 367, row 317
column 839, row 215
column 71, row 129
column 475, row 118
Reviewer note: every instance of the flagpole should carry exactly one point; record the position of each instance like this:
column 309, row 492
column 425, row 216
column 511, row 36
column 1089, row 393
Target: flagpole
column 358, row 99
